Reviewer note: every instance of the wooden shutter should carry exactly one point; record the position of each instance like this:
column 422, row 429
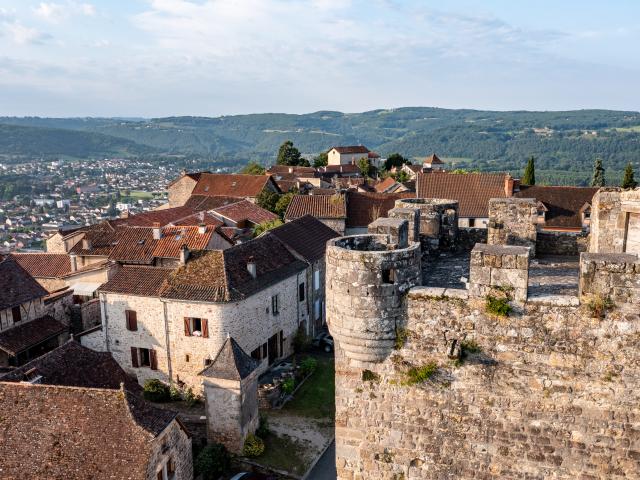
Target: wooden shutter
column 153, row 359
column 187, row 330
column 205, row 327
column 134, row 357
column 160, row 476
column 132, row 320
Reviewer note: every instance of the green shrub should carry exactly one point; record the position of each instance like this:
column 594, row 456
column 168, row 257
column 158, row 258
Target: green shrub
column 470, row 346
column 498, row 306
column 402, row 335
column 288, row 386
column 599, row 304
column 308, row 366
column 190, row 398
column 421, row 374
column 212, row 462
column 301, row 341
column 369, row 376
column 253, row 446
column 156, row 391
column 263, row 427
column 175, row 394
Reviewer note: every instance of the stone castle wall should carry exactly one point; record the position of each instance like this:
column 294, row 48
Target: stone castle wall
column 512, row 221
column 562, row 243
column 610, row 275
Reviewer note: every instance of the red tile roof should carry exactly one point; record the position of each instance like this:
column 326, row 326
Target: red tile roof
column 199, row 218
column 433, row 159
column 319, row 206
column 174, row 237
column 44, row 265
column 281, row 170
column 137, row 280
column 29, row 334
column 245, row 211
column 16, row 285
column 338, row 169
column 365, row 207
column 203, row 202
column 351, row 149
column 472, row 190
column 564, row 204
column 148, row 219
column 231, row 185
column 385, row 185
column 306, row 236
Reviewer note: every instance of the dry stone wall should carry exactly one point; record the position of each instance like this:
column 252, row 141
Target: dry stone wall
column 438, row 221
column 512, row 221
column 616, row 276
column 499, row 266
column 562, row 243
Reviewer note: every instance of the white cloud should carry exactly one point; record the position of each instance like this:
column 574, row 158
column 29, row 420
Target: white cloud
column 23, row 35
column 60, row 12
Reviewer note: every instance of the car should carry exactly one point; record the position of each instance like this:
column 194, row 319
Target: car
column 251, row 476
column 323, row 340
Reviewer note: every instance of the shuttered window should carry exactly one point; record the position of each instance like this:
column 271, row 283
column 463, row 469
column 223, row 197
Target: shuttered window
column 16, row 314
column 134, row 357
column 153, row 359
column 196, row 327
column 131, row 319
column 274, row 305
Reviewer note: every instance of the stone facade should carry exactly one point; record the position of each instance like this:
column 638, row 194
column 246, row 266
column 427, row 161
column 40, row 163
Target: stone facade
column 562, row 243
column 499, row 266
column 438, row 221
column 616, row 276
column 512, row 221
column 173, row 444
column 615, row 221
column 180, row 190
column 337, row 224
column 468, row 237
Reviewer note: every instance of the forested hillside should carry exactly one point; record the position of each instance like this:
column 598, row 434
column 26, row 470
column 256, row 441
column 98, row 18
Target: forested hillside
column 565, row 144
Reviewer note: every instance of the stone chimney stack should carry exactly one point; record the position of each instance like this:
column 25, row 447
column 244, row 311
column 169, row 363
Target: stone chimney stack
column 86, row 244
column 157, row 233
column 202, row 229
column 251, row 267
column 508, row 186
column 184, row 254
column 73, row 259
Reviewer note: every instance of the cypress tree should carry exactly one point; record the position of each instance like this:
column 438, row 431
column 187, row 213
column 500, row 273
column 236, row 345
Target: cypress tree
column 629, row 181
column 598, row 174
column 529, row 177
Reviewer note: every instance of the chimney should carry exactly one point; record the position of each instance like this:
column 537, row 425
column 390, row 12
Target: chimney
column 184, row 254
column 251, row 267
column 86, row 244
column 508, row 186
column 202, row 229
column 73, row 259
column 157, row 234
column 290, row 169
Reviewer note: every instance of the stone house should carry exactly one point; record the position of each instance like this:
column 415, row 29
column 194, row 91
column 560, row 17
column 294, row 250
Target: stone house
column 79, row 407
column 346, row 155
column 28, row 327
column 169, row 323
column 329, row 209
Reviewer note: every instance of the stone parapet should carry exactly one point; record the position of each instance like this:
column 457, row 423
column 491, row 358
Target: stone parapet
column 499, row 266
column 616, row 276
column 366, row 281
column 615, row 221
column 512, row 221
column 562, row 243
column 396, row 228
column 438, row 221
column 411, row 215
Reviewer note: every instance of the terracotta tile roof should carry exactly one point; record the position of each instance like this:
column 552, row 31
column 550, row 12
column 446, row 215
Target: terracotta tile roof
column 373, row 155
column 351, row 149
column 88, row 268
column 231, row 185
column 73, row 365
column 286, row 186
column 300, row 172
column 564, row 204
column 148, row 219
column 133, row 245
column 29, row 334
column 44, row 265
column 16, row 285
column 192, row 175
column 414, row 168
column 245, row 211
column 319, row 206
column 76, row 433
column 306, row 236
column 174, row 237
column 385, row 185
column 231, row 363
column 203, row 202
column 471, row 190
column 137, row 280
column 365, row 207
column 199, row 218
column 338, row 169
column 433, row 159
column 323, row 191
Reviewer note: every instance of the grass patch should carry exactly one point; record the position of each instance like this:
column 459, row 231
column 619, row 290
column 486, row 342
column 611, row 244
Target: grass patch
column 369, row 376
column 421, row 374
column 599, row 304
column 284, row 453
column 316, row 397
column 141, row 195
column 498, row 306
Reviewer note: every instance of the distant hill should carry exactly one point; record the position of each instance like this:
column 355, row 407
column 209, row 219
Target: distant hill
column 564, row 143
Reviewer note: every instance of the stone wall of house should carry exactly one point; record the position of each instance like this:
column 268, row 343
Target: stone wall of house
column 28, row 311
column 512, row 221
column 468, row 237
column 173, row 443
column 614, row 214
column 337, row 224
column 549, row 392
column 499, row 266
column 52, row 284
column 613, row 275
column 180, row 191
column 562, row 243
column 438, row 221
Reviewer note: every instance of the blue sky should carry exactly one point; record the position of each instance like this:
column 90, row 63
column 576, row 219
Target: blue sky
column 216, row 57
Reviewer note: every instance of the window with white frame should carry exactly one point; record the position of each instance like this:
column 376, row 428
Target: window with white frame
column 316, row 280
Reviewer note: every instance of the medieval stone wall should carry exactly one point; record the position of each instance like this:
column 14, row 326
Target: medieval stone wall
column 172, row 444
column 468, row 237
column 503, row 267
column 610, row 275
column 512, row 221
column 438, row 221
column 562, row 243
column 611, row 228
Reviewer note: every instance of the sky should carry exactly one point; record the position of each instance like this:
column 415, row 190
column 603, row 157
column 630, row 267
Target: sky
column 152, row 58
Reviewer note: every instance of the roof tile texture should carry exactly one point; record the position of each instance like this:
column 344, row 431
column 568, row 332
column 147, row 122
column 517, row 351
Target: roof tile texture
column 319, row 206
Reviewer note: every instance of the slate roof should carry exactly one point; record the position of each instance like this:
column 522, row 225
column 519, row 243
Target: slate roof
column 245, row 210
column 76, row 433
column 472, row 190
column 44, row 265
column 231, row 185
column 351, row 149
column 16, row 285
column 29, row 334
column 563, row 204
column 319, row 206
column 306, row 236
column 231, row 363
column 73, row 365
column 365, row 207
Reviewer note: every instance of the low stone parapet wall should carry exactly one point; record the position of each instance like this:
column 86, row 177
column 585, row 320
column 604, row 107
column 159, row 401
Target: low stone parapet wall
column 562, row 243
column 499, row 266
column 611, row 275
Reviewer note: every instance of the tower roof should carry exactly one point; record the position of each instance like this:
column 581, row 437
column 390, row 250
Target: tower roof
column 231, row 363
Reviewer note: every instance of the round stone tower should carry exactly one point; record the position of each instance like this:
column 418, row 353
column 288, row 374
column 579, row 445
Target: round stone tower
column 438, row 221
column 367, row 277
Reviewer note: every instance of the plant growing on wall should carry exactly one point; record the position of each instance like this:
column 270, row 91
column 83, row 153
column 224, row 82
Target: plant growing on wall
column 156, row 391
column 420, row 374
column 253, row 446
column 599, row 304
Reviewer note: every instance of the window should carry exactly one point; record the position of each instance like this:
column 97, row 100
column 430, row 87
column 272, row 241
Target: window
column 389, row 275
column 274, row 305
column 16, row 314
column 168, row 470
column 472, row 222
column 301, row 292
column 196, row 327
column 256, row 354
column 144, row 357
column 316, row 280
column 207, row 362
column 281, row 338
column 316, row 309
column 186, row 358
column 131, row 318
column 265, row 350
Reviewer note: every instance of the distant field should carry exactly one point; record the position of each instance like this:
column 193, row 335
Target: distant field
column 635, row 128
column 141, row 195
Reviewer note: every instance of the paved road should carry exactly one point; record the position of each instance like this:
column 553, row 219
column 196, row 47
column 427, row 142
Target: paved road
column 325, row 469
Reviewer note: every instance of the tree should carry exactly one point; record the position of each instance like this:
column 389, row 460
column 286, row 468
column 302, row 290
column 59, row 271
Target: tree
column 321, row 160
column 267, row 200
column 290, row 155
column 282, row 204
column 529, row 177
column 598, row 174
column 253, row 168
column 265, row 226
column 364, row 166
column 212, row 461
column 401, row 176
column 629, row 181
column 394, row 160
